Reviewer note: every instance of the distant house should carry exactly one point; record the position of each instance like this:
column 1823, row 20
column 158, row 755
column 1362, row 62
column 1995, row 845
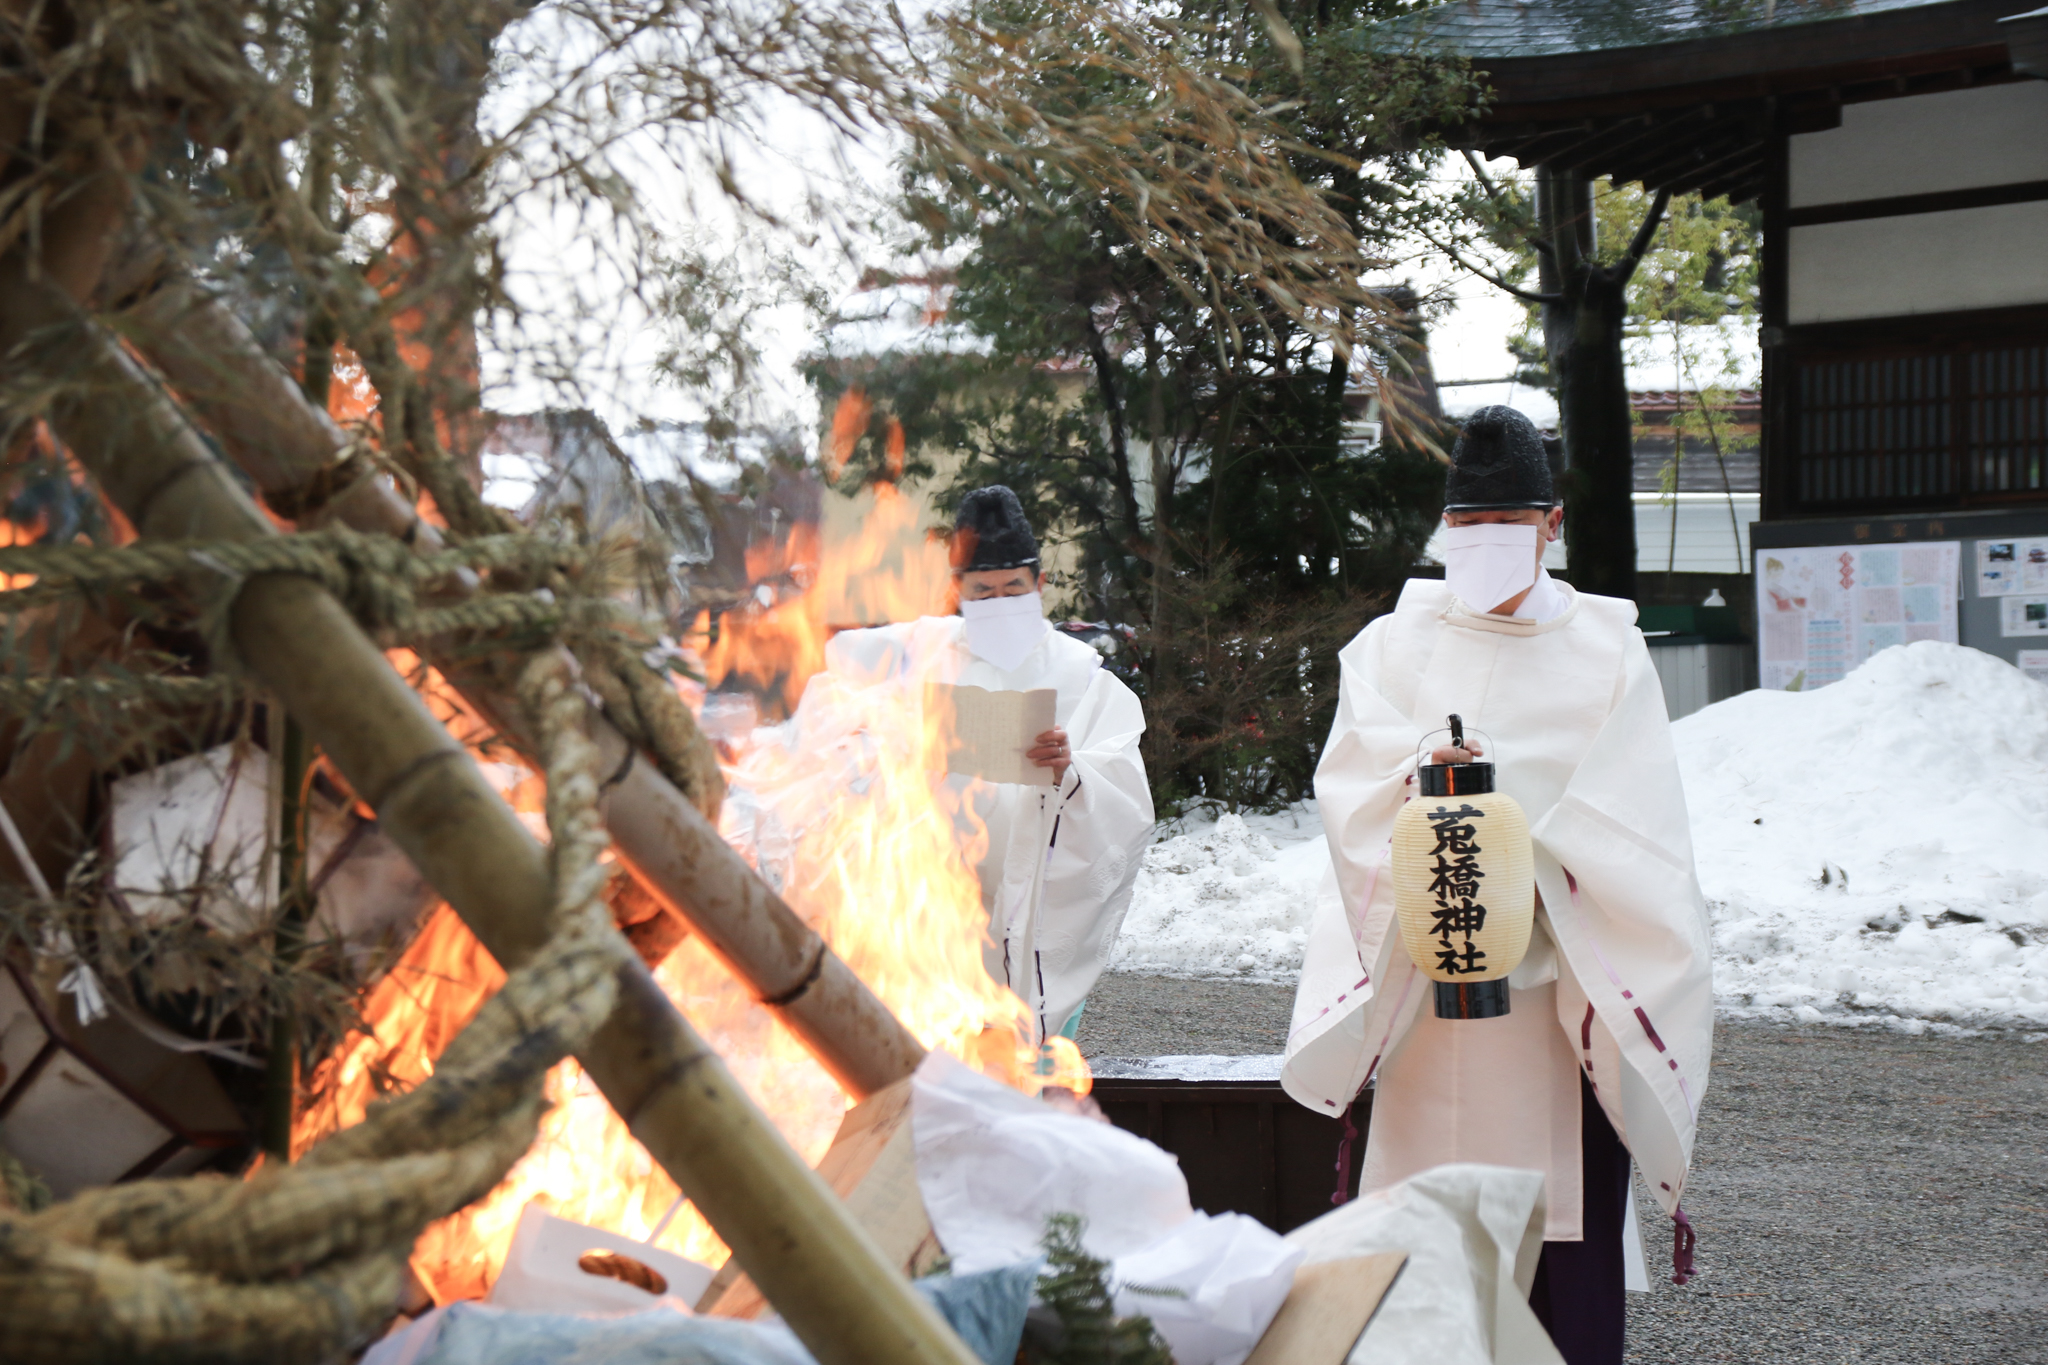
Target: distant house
column 1899, row 151
column 1698, row 482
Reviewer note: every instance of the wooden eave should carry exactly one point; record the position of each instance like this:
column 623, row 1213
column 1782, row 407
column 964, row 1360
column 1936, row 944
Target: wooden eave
column 1700, row 114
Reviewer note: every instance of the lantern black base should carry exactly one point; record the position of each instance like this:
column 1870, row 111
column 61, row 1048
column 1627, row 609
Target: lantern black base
column 1479, row 1000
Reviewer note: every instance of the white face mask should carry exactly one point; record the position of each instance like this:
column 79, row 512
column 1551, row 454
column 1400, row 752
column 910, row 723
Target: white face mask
column 1003, row 630
column 1485, row 565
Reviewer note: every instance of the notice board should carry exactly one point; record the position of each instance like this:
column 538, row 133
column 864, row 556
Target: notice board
column 1821, row 610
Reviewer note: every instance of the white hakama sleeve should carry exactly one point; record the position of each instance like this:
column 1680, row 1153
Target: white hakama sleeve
column 1615, row 867
column 1343, row 1004
column 1102, row 824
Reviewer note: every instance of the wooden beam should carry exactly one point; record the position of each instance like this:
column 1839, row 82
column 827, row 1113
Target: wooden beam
column 1750, row 152
column 1626, row 139
column 1662, row 169
column 1531, row 150
column 1760, row 59
column 1988, row 196
column 1739, row 185
column 1988, row 64
column 1571, row 152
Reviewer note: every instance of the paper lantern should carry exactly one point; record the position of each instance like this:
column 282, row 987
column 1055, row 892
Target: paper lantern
column 1464, row 884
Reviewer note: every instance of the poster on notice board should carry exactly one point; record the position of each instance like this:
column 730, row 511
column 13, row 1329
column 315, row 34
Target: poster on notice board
column 2016, row 572
column 1822, row 610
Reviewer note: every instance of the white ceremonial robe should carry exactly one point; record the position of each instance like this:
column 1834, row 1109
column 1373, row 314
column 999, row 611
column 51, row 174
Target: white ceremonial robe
column 1617, row 980
column 1060, row 862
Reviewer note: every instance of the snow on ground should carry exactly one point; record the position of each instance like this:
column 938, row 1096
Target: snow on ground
column 1878, row 847
column 1873, row 851
column 1225, row 895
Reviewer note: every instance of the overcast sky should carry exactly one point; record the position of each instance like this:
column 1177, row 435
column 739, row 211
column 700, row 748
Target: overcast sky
column 825, row 188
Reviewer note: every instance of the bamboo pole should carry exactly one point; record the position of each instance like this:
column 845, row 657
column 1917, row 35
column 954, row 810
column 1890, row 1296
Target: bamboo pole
column 284, row 444
column 820, row 1269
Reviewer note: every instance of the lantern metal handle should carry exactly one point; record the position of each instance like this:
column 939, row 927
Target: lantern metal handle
column 1457, row 733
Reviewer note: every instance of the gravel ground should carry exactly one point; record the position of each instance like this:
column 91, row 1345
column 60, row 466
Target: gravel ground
column 1860, row 1195
column 1157, row 1016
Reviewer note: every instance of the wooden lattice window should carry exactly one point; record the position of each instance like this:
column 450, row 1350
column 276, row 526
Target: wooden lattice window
column 2007, row 450
column 1874, row 430
column 1962, row 424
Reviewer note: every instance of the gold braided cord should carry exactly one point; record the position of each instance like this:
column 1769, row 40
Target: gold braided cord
column 302, row 1262
column 400, row 597
column 645, row 707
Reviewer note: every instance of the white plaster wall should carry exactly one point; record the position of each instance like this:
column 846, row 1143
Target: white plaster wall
column 1709, row 539
column 1920, row 263
column 1924, row 144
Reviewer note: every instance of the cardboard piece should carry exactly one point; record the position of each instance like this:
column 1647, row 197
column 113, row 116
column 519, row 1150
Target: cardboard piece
column 542, row 1274
column 872, row 1166
column 194, row 834
column 988, row 732
column 86, row 1104
column 1327, row 1310
column 198, row 827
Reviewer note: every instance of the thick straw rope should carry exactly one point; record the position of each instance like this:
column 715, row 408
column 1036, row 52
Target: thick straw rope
column 561, row 596
column 377, row 578
column 302, row 1262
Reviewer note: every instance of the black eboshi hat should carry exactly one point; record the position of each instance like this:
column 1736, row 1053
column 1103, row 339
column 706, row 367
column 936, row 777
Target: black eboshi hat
column 991, row 533
column 1498, row 465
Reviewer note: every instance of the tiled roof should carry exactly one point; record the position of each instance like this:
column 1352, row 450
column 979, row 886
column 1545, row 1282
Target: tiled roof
column 1671, row 398
column 1503, row 29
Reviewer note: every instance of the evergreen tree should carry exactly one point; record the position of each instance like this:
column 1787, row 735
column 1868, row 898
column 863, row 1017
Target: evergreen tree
column 1174, row 399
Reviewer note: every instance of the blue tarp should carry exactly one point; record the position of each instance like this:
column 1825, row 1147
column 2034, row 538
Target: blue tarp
column 987, row 1310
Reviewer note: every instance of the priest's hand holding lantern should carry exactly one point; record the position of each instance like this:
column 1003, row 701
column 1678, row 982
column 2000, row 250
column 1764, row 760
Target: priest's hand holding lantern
column 1464, row 883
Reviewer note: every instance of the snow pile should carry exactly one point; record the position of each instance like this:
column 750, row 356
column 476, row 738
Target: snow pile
column 1878, row 847
column 1225, row 895
column 1876, row 850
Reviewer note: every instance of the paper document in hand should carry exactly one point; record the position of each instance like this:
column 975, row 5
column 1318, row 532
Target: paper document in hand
column 988, row 732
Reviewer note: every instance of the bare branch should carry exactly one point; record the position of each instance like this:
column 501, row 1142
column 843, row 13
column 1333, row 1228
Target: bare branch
column 1500, row 202
column 1489, row 276
column 1626, row 267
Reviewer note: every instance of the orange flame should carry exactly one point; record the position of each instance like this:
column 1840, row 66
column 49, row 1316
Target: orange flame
column 874, row 850
column 895, row 449
column 849, row 423
column 12, row 533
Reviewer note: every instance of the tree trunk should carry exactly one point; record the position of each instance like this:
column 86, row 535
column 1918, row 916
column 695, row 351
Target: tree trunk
column 1582, row 332
column 1599, row 442
column 1119, row 436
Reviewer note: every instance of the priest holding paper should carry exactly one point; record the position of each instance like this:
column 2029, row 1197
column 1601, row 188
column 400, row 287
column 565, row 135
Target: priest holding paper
column 1052, row 738
column 1601, row 1058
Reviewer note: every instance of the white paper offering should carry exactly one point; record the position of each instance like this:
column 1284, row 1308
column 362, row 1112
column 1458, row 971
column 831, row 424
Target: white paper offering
column 988, row 732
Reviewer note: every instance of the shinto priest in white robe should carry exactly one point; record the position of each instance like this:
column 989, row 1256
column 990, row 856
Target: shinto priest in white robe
column 1616, row 983
column 1060, row 863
